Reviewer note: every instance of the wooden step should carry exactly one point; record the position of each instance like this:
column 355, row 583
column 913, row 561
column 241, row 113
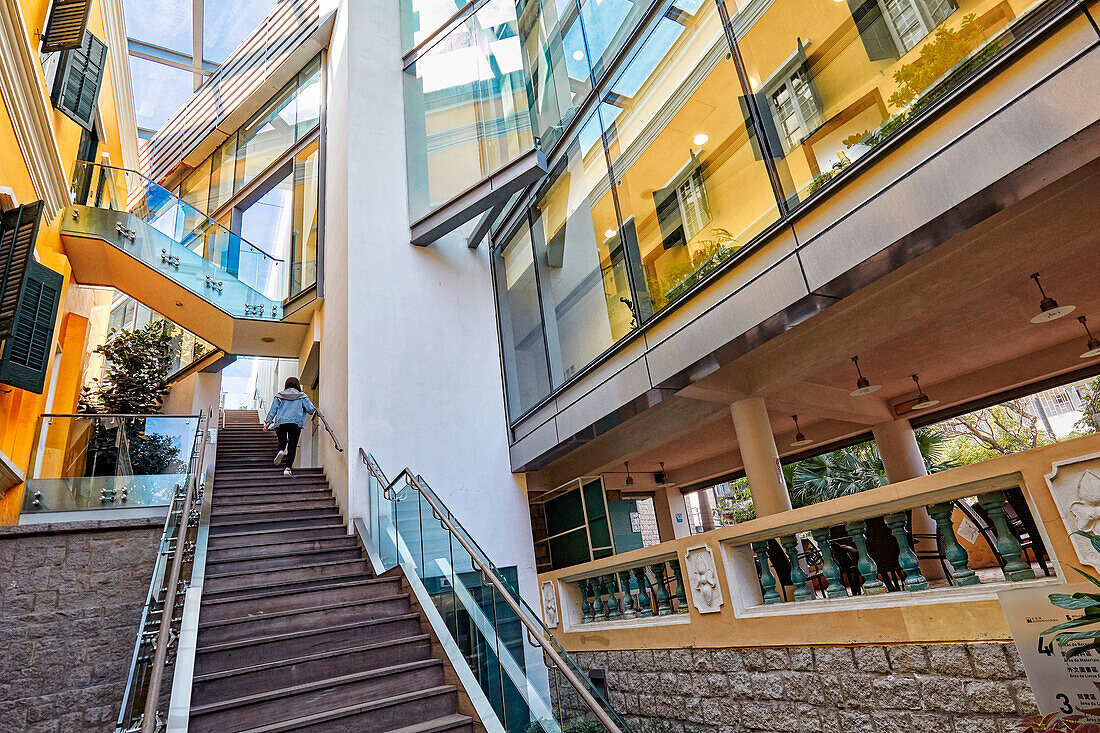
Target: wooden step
column 258, row 578
column 294, row 671
column 375, row 716
column 456, row 723
column 278, row 549
column 262, row 525
column 330, row 636
column 276, row 562
column 304, row 490
column 276, row 504
column 274, row 600
column 299, row 619
column 250, row 538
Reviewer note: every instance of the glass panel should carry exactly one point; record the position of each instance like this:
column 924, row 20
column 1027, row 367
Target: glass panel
column 97, row 462
column 226, row 25
column 269, row 221
column 421, row 18
column 580, row 259
column 195, row 189
column 691, row 189
column 159, row 91
column 607, row 24
column 557, row 62
column 223, row 165
column 525, row 367
column 265, row 137
column 308, row 98
column 167, row 24
column 826, row 104
column 303, row 245
column 466, row 108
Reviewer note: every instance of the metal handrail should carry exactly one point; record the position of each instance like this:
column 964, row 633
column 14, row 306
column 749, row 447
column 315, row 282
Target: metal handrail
column 91, row 415
column 328, row 428
column 536, row 630
column 193, row 493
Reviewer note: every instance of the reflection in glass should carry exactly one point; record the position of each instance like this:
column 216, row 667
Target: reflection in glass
column 308, row 98
column 690, row 188
column 266, row 136
column 581, row 260
column 226, row 25
column 159, row 91
column 466, row 108
column 268, row 222
column 525, row 366
column 421, row 18
column 303, row 246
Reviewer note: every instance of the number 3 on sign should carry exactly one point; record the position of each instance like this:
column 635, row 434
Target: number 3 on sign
column 1064, row 699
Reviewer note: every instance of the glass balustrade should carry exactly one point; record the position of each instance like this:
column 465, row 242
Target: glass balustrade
column 108, row 461
column 528, row 694
column 155, row 226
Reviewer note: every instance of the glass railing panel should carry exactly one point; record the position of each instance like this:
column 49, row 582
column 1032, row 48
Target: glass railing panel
column 828, row 97
column 101, row 462
column 179, row 223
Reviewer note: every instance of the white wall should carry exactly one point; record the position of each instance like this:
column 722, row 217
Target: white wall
column 419, row 349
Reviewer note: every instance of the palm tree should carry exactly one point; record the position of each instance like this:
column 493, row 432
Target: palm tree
column 857, row 468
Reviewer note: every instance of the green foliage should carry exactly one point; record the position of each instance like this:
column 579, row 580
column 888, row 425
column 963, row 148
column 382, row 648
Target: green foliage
column 1056, row 723
column 706, row 256
column 946, row 49
column 135, row 372
column 1090, row 409
column 1087, row 602
column 994, row 431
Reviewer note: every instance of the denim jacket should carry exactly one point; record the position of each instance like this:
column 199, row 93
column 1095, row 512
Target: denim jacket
column 290, row 406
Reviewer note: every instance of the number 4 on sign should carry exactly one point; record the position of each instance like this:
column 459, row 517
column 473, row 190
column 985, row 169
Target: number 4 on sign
column 1047, row 648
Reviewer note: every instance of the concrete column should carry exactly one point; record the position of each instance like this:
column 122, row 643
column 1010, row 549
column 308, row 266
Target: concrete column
column 672, row 514
column 760, row 457
column 902, row 459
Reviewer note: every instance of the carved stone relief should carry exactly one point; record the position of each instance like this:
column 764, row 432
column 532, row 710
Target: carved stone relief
column 706, row 592
column 1075, row 486
column 549, row 605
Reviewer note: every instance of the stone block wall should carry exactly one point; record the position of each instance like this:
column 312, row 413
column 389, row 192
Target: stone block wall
column 70, row 603
column 942, row 688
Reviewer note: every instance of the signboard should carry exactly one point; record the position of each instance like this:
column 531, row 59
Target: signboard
column 1067, row 686
column 635, row 522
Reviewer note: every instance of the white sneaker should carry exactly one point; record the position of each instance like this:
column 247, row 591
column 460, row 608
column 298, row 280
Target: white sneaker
column 279, row 457
column 286, row 472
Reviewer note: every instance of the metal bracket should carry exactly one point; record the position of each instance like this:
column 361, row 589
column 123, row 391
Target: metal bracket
column 169, row 259
column 255, row 310
column 123, row 231
column 213, row 284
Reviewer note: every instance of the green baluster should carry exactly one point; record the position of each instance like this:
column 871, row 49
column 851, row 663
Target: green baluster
column 829, row 568
column 1007, row 544
column 612, row 603
column 681, row 594
column 798, row 577
column 953, row 551
column 664, row 608
column 586, row 607
column 597, row 599
column 907, row 559
column 767, row 580
column 867, row 568
column 628, row 600
column 643, row 592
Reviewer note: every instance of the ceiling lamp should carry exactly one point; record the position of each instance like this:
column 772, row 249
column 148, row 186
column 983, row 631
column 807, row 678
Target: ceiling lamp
column 799, row 439
column 1049, row 310
column 700, row 139
column 1094, row 343
column 923, row 401
column 629, row 478
column 863, row 385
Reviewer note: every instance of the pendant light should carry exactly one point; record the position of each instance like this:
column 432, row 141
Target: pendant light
column 799, row 439
column 1094, row 343
column 629, row 478
column 923, row 401
column 1049, row 310
column 863, row 385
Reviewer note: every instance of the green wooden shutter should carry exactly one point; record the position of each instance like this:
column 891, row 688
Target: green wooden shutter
column 65, row 26
column 79, row 74
column 27, row 350
column 18, row 229
column 873, row 30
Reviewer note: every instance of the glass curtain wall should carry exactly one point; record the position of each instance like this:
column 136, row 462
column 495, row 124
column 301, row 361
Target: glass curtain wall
column 466, row 106
column 253, row 152
column 708, row 143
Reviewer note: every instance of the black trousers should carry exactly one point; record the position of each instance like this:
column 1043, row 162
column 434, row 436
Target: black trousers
column 288, row 440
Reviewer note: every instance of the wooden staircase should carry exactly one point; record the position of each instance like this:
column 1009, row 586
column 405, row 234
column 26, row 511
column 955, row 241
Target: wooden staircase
column 295, row 632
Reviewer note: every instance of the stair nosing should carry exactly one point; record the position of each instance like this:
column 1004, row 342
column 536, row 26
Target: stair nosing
column 307, row 687
column 263, row 520
column 361, row 707
column 213, row 576
column 280, row 590
column 352, row 546
column 341, row 526
column 274, row 664
column 447, row 721
column 275, row 544
column 222, row 622
column 260, row 558
column 223, row 646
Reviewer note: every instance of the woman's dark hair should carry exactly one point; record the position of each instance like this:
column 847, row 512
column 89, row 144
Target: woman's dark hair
column 292, row 383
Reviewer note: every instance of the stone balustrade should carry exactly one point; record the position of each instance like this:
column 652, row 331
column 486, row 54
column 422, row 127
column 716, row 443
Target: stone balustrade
column 636, row 591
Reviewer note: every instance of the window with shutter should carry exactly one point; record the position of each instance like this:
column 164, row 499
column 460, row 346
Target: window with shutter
column 27, row 351
column 65, row 26
column 76, row 87
column 18, row 230
column 682, row 206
